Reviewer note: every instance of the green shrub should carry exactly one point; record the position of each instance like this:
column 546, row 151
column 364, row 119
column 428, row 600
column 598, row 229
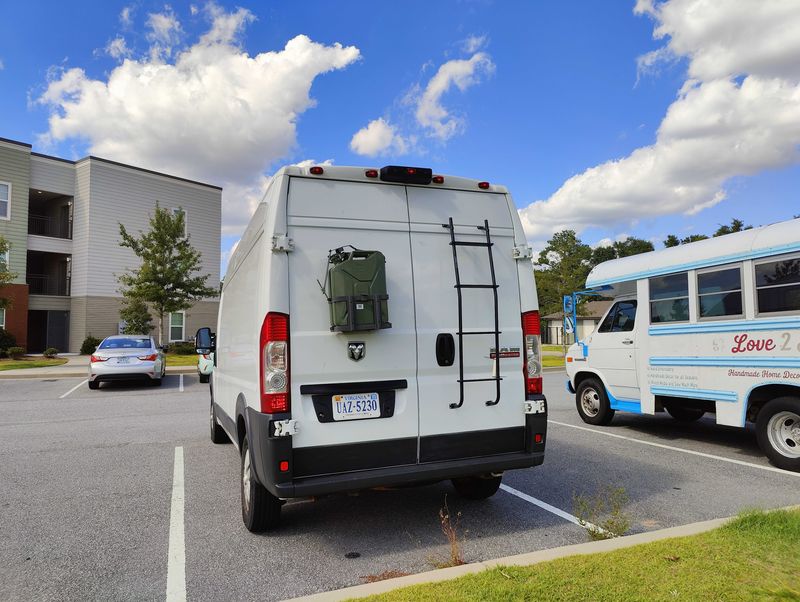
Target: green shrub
column 50, row 352
column 89, row 345
column 181, row 348
column 6, row 339
column 16, row 353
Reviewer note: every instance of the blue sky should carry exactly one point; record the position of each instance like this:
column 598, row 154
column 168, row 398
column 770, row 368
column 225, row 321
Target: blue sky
column 533, row 94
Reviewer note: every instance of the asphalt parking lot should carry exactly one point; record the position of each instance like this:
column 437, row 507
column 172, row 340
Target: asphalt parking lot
column 87, row 491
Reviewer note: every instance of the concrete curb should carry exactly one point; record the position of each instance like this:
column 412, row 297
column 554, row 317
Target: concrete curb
column 81, row 373
column 593, row 547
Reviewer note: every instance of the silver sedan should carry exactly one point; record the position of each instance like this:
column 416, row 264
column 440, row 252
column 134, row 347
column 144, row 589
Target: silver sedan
column 127, row 357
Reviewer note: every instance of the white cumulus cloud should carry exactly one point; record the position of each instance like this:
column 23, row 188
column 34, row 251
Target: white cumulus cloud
column 126, row 16
column 117, row 48
column 379, row 137
column 213, row 113
column 738, row 113
column 461, row 73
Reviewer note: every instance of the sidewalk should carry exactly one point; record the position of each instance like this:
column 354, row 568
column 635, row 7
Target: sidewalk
column 77, row 365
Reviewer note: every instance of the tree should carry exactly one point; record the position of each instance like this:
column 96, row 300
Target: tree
column 168, row 277
column 562, row 269
column 672, row 241
column 737, row 225
column 621, row 248
column 6, row 275
column 136, row 315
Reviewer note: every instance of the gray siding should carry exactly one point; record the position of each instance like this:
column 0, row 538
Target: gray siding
column 15, row 167
column 129, row 196
column 80, row 230
column 52, row 175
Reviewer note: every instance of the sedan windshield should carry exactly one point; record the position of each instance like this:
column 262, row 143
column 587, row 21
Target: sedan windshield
column 126, row 343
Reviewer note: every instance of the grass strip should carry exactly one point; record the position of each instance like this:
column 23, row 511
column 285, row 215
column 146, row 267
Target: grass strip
column 10, row 364
column 181, row 360
column 754, row 557
column 552, row 361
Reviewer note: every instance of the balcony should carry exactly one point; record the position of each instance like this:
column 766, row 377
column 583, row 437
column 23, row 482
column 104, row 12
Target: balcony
column 49, row 214
column 49, row 274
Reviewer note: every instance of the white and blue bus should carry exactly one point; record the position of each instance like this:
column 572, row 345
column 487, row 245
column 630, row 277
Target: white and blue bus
column 708, row 327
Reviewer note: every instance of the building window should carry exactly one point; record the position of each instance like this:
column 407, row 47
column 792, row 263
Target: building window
column 177, row 326
column 2, row 318
column 178, row 211
column 669, row 298
column 5, row 200
column 778, row 286
column 719, row 293
column 620, row 318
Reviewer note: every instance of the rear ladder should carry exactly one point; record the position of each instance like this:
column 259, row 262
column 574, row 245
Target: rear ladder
column 461, row 334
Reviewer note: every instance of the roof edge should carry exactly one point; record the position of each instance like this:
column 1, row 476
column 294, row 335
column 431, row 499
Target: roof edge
column 150, row 171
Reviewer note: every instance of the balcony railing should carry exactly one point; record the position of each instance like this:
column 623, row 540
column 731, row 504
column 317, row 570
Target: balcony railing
column 45, row 225
column 43, row 284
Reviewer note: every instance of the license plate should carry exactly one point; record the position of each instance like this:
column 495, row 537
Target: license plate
column 123, row 360
column 356, row 405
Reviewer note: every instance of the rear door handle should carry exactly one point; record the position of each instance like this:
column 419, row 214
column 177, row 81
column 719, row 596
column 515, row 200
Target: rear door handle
column 445, row 349
column 627, row 342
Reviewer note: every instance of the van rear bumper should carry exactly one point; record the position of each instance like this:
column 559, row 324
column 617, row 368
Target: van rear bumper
column 363, row 465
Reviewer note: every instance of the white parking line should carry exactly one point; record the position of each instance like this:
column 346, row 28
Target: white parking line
column 80, row 384
column 176, row 558
column 679, row 449
column 180, row 386
column 552, row 509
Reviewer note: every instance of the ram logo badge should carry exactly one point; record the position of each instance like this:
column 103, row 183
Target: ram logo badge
column 356, row 350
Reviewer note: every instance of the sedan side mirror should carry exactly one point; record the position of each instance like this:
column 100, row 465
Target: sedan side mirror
column 204, row 342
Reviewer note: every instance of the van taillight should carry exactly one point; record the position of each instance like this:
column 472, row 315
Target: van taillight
column 274, row 365
column 533, row 361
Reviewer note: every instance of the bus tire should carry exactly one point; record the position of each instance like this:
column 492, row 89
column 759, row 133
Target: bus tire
column 592, row 403
column 778, row 432
column 684, row 414
column 477, row 488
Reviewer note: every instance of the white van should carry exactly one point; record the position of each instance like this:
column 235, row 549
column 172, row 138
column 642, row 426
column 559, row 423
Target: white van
column 427, row 368
column 712, row 326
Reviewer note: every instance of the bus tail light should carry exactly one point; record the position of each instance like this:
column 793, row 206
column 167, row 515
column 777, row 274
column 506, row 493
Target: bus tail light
column 532, row 367
column 274, row 365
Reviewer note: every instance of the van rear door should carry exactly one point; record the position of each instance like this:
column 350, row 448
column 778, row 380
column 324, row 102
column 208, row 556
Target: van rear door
column 324, row 215
column 475, row 428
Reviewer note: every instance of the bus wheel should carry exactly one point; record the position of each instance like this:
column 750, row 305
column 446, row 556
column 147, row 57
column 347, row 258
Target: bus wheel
column 778, row 432
column 684, row 414
column 592, row 402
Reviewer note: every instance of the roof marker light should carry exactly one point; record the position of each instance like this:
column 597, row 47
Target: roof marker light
column 317, row 170
column 371, row 173
column 481, row 185
column 438, row 179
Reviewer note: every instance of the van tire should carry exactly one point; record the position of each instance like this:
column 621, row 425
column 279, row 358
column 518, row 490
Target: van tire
column 261, row 511
column 204, row 378
column 477, row 488
column 94, row 384
column 684, row 414
column 777, row 427
column 591, row 395
column 218, row 434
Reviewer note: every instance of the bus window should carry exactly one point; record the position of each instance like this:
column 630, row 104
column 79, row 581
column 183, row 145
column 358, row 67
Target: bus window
column 720, row 293
column 669, row 298
column 620, row 318
column 778, row 286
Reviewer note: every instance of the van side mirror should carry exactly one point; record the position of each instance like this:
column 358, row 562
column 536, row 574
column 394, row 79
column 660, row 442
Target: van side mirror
column 204, row 342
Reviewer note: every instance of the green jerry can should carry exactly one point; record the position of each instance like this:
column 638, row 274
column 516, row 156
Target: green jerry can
column 357, row 290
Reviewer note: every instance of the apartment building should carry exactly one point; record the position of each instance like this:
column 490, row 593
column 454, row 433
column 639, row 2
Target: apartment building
column 62, row 219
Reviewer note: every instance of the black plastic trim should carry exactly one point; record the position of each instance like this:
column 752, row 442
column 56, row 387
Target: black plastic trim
column 332, row 459
column 471, row 444
column 375, row 386
column 403, row 475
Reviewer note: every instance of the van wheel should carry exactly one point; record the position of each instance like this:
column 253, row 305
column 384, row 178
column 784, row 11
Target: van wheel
column 778, row 432
column 477, row 488
column 218, row 434
column 684, row 414
column 94, row 384
column 592, row 403
column 204, row 378
column 261, row 510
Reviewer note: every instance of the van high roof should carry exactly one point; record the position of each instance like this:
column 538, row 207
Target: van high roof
column 360, row 174
column 781, row 237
